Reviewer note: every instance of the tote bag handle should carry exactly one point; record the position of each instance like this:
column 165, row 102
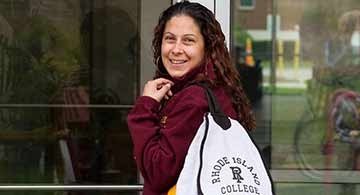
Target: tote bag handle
column 219, row 116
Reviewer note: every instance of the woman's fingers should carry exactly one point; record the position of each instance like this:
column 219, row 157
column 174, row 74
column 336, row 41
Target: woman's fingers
column 158, row 89
column 162, row 81
column 161, row 93
column 169, row 93
column 164, row 88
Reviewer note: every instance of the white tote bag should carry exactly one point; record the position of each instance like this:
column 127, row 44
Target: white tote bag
column 223, row 159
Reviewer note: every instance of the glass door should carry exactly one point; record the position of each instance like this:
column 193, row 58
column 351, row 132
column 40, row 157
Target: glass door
column 305, row 56
column 69, row 73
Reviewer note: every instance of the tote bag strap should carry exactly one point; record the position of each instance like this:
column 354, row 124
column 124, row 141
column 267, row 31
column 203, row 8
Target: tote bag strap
column 219, row 116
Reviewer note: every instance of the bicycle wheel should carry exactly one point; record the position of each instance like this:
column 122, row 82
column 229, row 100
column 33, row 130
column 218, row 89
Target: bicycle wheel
column 308, row 145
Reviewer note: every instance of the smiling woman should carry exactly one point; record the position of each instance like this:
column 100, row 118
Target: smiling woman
column 189, row 48
column 183, row 46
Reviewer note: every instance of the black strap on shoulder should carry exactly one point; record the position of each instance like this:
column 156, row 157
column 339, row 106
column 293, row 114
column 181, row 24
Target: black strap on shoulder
column 219, row 116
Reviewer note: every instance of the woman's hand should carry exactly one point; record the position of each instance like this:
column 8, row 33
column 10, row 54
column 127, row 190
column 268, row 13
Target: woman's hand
column 158, row 89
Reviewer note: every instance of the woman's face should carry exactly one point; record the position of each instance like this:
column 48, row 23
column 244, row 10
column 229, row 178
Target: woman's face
column 182, row 46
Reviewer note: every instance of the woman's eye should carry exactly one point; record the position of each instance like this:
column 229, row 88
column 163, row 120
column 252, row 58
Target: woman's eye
column 168, row 38
column 189, row 40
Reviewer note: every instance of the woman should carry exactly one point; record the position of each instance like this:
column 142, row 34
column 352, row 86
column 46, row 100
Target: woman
column 189, row 47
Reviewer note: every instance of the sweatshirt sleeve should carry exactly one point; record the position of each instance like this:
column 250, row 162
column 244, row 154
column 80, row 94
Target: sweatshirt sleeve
column 160, row 149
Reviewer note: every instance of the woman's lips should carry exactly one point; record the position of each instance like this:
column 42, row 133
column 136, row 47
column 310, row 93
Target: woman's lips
column 177, row 61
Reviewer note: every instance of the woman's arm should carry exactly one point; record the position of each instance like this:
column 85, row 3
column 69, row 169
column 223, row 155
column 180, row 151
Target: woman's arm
column 160, row 148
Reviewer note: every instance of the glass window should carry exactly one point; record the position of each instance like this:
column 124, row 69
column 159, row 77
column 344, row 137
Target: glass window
column 307, row 55
column 69, row 73
column 247, row 4
column 334, row 189
column 253, row 51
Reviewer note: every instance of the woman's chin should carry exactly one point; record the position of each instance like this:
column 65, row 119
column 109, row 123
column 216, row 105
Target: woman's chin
column 177, row 75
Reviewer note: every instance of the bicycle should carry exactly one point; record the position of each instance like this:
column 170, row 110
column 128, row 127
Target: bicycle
column 314, row 132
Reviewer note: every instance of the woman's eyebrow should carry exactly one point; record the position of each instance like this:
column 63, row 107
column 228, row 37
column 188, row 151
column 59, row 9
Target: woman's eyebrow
column 185, row 35
column 168, row 33
column 192, row 35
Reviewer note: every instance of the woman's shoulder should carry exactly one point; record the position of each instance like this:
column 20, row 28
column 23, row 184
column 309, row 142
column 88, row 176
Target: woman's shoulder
column 193, row 95
column 195, row 90
column 197, row 93
column 222, row 97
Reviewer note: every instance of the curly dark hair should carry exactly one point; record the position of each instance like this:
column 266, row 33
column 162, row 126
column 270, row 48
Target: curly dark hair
column 216, row 53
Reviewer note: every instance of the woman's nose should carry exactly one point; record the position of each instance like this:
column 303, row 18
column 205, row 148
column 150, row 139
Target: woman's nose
column 178, row 48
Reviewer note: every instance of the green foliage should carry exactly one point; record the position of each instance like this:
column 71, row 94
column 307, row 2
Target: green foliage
column 40, row 58
column 241, row 35
column 41, row 45
column 46, row 44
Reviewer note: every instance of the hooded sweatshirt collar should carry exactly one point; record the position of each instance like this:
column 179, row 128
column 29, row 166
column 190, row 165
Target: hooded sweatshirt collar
column 190, row 77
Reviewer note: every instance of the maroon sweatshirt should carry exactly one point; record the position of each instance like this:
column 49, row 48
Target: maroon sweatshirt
column 161, row 137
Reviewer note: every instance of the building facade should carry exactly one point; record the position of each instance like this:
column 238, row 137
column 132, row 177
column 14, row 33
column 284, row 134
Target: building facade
column 71, row 70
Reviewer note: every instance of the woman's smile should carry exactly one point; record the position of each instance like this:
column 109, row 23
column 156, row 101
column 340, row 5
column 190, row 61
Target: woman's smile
column 178, row 61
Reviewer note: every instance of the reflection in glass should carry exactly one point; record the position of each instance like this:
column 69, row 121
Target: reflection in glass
column 252, row 60
column 335, row 189
column 334, row 74
column 312, row 52
column 68, row 75
column 37, row 147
